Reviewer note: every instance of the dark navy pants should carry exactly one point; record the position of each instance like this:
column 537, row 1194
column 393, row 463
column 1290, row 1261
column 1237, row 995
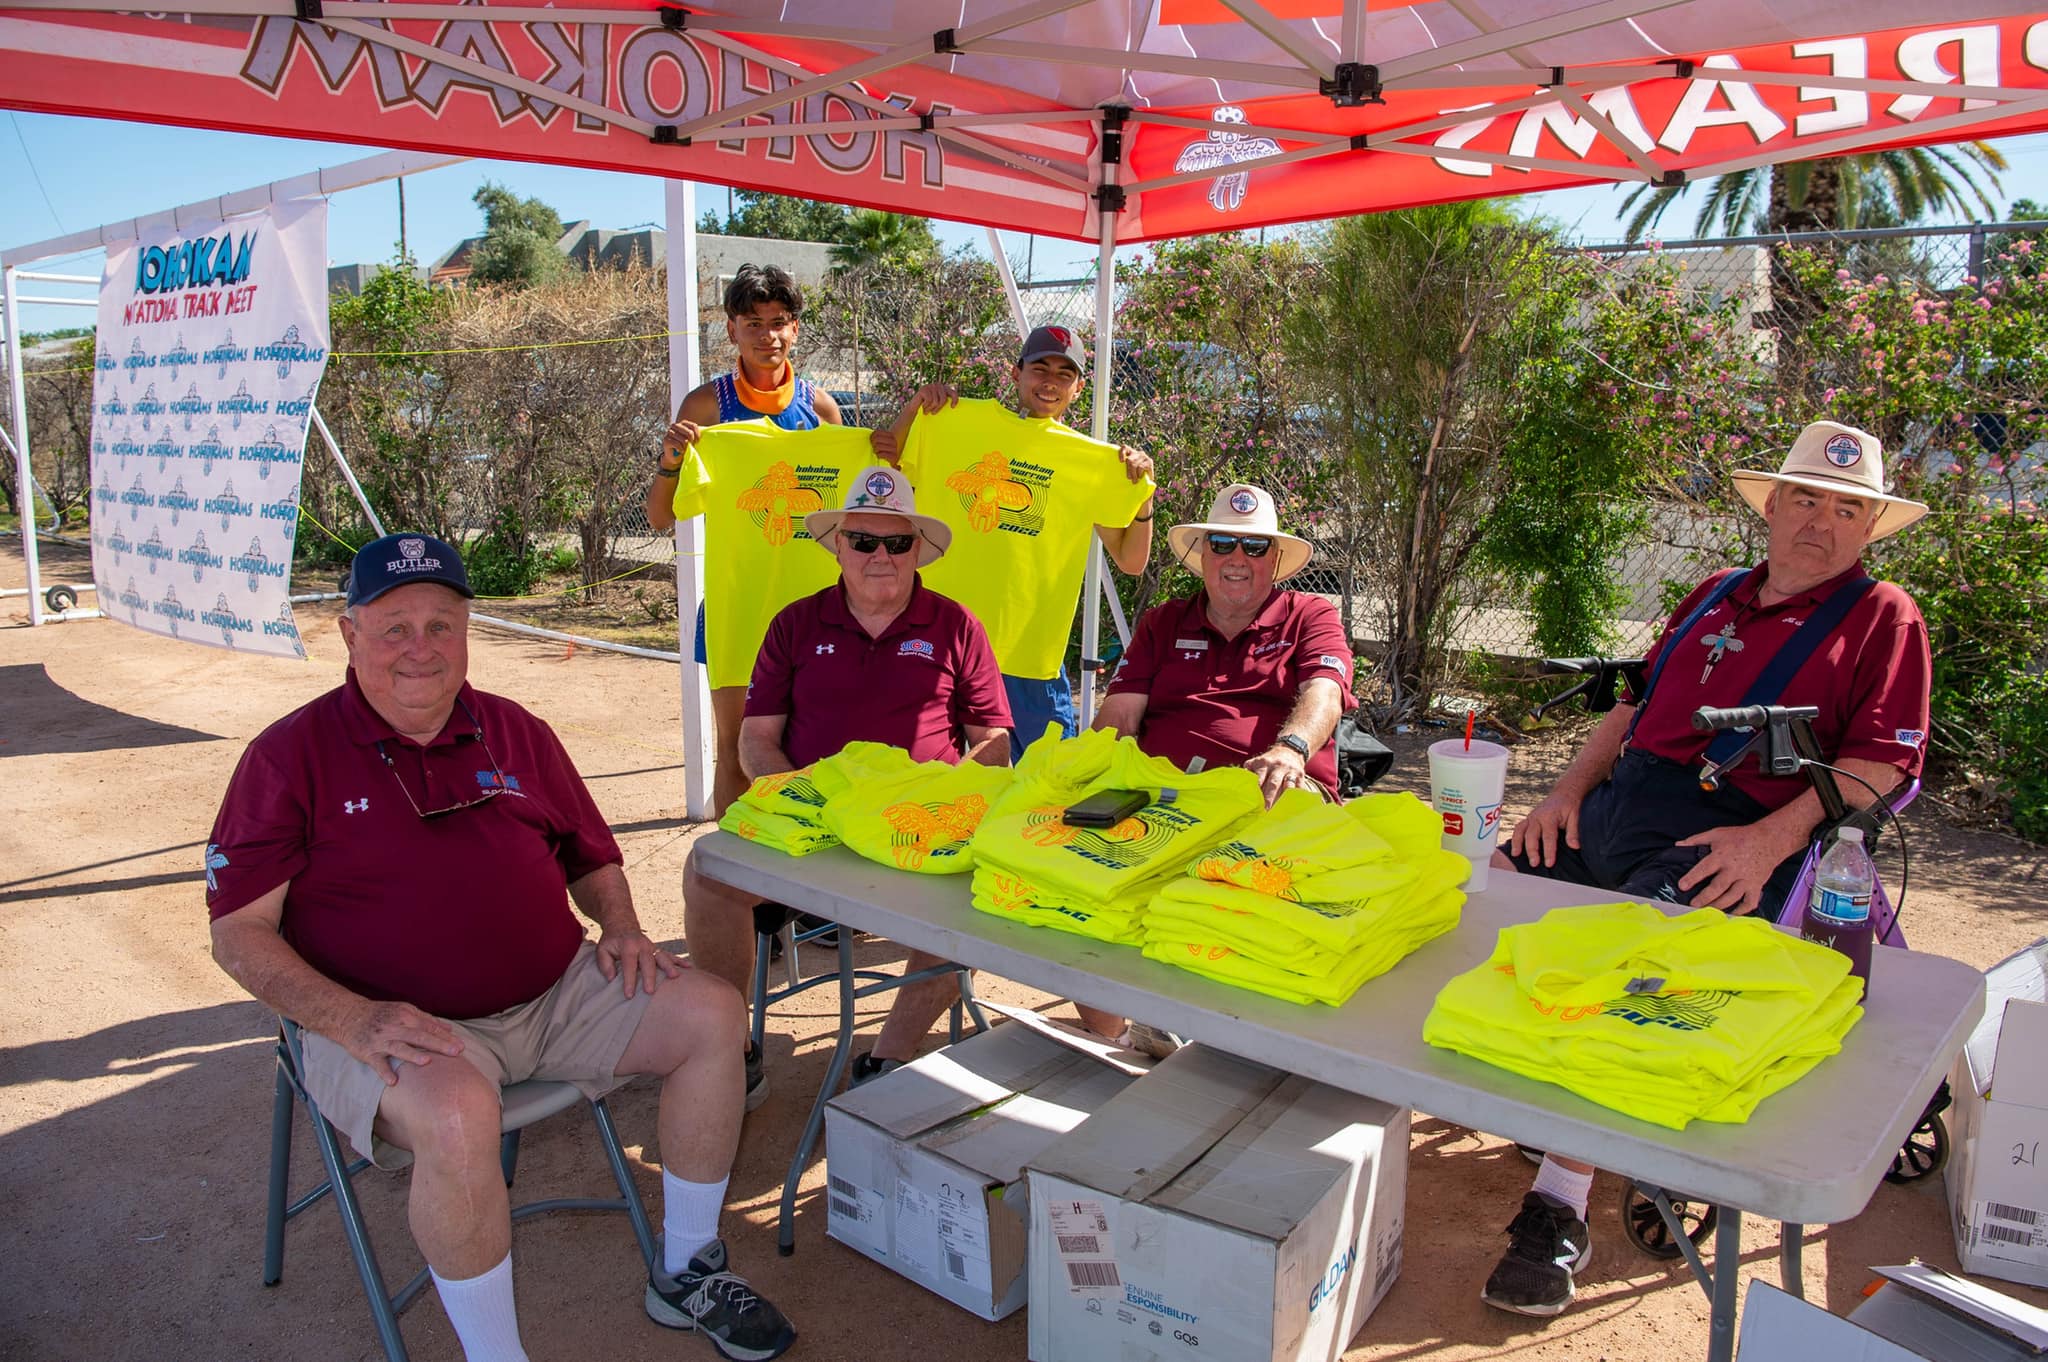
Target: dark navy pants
column 1629, row 825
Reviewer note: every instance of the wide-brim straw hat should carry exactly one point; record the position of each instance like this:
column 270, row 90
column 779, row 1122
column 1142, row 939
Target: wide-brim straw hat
column 882, row 490
column 1832, row 457
column 1241, row 508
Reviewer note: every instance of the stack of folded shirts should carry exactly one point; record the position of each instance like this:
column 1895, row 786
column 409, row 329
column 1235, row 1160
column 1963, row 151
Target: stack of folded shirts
column 1667, row 1019
column 1310, row 900
column 1032, row 866
column 913, row 815
column 785, row 811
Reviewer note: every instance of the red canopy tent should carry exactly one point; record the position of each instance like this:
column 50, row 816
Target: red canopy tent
column 1102, row 120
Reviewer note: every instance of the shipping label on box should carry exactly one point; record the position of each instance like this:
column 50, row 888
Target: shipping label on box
column 1996, row 1181
column 1216, row 1208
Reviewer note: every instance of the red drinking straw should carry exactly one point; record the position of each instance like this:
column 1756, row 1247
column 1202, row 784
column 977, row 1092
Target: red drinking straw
column 1468, row 730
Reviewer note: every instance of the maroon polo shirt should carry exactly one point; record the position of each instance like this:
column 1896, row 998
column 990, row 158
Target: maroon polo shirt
column 916, row 687
column 1869, row 679
column 1225, row 700
column 461, row 915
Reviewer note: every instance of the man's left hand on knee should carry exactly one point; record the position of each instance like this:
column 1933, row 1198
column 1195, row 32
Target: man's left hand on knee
column 1739, row 862
column 626, row 954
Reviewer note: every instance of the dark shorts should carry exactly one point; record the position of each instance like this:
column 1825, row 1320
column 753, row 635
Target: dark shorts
column 702, row 660
column 1033, row 705
column 1629, row 825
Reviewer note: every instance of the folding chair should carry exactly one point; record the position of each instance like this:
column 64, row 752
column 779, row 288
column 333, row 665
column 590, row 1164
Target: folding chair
column 524, row 1104
column 775, row 921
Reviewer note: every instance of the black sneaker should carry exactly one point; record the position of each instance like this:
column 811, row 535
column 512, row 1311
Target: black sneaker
column 704, row 1296
column 1546, row 1245
column 757, row 1080
column 867, row 1066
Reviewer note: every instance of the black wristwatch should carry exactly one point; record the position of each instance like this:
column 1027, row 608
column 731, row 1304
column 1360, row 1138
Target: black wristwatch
column 1294, row 743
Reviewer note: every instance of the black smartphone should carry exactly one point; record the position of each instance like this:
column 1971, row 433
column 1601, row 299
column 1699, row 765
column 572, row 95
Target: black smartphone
column 1105, row 808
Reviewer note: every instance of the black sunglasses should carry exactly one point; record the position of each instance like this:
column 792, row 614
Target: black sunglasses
column 860, row 541
column 496, row 788
column 1254, row 546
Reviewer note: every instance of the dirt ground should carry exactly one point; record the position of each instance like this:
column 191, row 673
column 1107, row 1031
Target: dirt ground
column 135, row 1078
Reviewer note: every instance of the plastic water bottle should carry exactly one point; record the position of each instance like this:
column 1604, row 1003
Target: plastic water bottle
column 1838, row 913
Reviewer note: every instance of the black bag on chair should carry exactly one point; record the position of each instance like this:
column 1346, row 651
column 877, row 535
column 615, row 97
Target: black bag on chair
column 1361, row 758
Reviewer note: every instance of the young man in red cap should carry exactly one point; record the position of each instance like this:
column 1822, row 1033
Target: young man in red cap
column 1629, row 815
column 393, row 867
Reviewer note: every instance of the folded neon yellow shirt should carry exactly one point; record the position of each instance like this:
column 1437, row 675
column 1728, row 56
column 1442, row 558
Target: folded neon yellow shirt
column 1669, row 1019
column 784, row 811
column 1025, row 832
column 913, row 815
column 1336, row 977
column 1327, row 924
column 1004, row 893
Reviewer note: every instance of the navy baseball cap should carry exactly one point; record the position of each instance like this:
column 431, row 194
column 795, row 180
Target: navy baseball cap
column 1054, row 340
column 402, row 559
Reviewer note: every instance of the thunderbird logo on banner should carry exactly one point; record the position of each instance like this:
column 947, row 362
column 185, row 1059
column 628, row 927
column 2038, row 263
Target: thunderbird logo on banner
column 174, row 301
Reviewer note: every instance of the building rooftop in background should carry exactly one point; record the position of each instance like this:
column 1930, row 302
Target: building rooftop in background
column 719, row 257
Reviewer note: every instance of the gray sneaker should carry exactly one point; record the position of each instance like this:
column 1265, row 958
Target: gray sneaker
column 707, row 1298
column 757, row 1080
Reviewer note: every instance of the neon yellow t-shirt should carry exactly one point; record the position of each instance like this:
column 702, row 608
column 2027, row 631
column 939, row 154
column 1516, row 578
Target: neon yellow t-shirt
column 753, row 483
column 1023, row 497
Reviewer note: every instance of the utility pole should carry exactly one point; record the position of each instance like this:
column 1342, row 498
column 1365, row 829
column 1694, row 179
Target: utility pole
column 401, row 219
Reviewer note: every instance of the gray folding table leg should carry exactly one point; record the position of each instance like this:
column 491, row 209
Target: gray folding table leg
column 1790, row 1275
column 608, row 1136
column 280, row 1178
column 785, row 1231
column 1727, row 1278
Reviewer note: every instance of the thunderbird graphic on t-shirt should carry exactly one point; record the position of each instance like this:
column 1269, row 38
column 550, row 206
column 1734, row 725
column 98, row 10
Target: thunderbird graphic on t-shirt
column 924, row 830
column 1238, row 864
column 778, row 502
column 987, row 490
column 1129, row 843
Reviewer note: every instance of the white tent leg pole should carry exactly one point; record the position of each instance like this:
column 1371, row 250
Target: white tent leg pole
column 1096, row 581
column 995, row 249
column 327, row 438
column 699, row 755
column 24, row 480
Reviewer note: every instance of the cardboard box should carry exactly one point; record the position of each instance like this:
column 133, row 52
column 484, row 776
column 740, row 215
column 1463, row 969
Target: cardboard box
column 1996, row 1177
column 924, row 1165
column 1780, row 1327
column 1216, row 1209
column 1951, row 1319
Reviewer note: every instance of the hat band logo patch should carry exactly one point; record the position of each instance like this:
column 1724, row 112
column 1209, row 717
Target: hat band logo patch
column 1243, row 502
column 881, row 486
column 1843, row 451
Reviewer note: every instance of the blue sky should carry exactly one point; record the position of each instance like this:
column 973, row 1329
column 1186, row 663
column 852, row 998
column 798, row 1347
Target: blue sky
column 61, row 175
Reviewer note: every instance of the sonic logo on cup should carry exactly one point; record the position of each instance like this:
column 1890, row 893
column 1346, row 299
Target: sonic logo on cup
column 1454, row 824
column 1489, row 820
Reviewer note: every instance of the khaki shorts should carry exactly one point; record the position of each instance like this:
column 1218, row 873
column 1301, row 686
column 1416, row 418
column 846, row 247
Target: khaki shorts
column 573, row 1033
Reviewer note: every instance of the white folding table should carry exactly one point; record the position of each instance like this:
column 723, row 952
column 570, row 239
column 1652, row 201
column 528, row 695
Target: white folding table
column 1812, row 1154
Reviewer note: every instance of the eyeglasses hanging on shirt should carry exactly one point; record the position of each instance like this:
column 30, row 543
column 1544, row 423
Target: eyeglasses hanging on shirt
column 490, row 792
column 1254, row 546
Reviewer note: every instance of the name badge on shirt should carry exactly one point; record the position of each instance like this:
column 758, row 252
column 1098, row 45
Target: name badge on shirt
column 1199, row 645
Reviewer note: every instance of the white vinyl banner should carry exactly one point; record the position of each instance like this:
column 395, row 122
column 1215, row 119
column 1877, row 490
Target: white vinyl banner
column 212, row 340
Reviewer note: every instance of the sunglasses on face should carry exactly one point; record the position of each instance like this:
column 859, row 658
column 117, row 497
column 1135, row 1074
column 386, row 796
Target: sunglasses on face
column 1254, row 546
column 860, row 541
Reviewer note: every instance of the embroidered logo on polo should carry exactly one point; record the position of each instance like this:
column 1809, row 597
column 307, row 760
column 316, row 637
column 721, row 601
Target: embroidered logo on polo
column 1843, row 451
column 356, row 805
column 1271, row 646
column 783, row 496
column 498, row 780
column 1910, row 737
column 932, row 831
column 914, row 647
column 216, row 859
column 822, row 649
column 990, row 491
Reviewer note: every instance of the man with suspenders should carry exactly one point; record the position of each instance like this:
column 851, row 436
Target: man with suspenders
column 1806, row 627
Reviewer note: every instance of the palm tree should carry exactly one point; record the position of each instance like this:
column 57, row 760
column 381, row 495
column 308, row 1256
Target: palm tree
column 1872, row 189
column 872, row 237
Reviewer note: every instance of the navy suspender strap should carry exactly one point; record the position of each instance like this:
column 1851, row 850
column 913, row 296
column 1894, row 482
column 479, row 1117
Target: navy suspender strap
column 1715, row 597
column 1778, row 674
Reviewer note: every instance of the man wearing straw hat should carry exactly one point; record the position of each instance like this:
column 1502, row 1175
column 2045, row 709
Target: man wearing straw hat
column 1807, row 626
column 1242, row 672
column 875, row 657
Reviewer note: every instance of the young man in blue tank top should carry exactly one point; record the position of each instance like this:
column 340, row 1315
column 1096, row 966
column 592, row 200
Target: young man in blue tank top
column 763, row 313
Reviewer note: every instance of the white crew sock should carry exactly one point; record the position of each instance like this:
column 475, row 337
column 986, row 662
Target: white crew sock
column 1553, row 1179
column 481, row 1310
column 689, row 1218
